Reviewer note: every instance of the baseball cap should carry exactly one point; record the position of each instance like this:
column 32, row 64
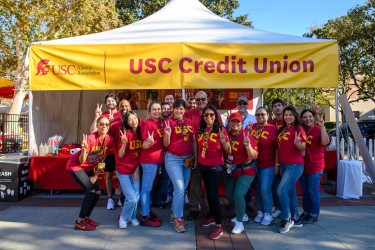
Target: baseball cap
column 242, row 98
column 235, row 115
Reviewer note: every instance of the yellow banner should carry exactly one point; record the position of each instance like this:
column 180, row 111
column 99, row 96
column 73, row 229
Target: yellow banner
column 183, row 65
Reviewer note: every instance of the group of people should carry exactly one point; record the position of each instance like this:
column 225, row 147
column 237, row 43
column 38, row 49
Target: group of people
column 195, row 144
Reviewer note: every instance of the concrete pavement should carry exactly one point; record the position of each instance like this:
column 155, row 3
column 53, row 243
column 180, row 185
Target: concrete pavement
column 51, row 227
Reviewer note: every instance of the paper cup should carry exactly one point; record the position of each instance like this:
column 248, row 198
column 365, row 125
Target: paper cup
column 101, row 165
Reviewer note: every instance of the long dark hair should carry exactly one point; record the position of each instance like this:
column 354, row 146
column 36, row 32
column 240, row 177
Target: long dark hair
column 126, row 126
column 215, row 126
column 297, row 120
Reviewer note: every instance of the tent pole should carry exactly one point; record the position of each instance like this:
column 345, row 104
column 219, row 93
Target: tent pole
column 183, row 94
column 337, row 125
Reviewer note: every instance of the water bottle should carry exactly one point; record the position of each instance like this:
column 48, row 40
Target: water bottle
column 41, row 149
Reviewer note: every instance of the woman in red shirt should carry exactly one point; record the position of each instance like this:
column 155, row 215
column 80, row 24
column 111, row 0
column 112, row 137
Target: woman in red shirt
column 291, row 146
column 212, row 142
column 265, row 135
column 81, row 167
column 127, row 152
column 179, row 139
column 152, row 156
column 317, row 139
column 243, row 151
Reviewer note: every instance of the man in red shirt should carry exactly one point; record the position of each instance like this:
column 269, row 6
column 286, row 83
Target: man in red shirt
column 195, row 191
column 277, row 110
column 278, row 121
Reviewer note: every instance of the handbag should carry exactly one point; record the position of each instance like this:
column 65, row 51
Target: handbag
column 189, row 162
column 97, row 155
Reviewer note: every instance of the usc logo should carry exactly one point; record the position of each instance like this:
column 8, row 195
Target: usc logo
column 43, row 68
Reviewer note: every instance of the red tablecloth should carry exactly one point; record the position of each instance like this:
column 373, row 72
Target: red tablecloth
column 50, row 173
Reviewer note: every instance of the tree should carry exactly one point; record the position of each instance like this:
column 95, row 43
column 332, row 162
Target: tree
column 133, row 10
column 23, row 22
column 300, row 98
column 355, row 35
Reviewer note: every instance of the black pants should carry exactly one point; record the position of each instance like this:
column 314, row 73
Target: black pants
column 211, row 180
column 91, row 198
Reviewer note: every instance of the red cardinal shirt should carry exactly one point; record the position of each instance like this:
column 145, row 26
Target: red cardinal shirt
column 266, row 138
column 129, row 162
column 288, row 153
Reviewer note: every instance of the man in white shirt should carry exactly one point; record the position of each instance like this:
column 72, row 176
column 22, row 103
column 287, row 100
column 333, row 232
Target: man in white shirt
column 242, row 104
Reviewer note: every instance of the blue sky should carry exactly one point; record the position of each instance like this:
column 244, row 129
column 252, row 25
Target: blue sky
column 293, row 17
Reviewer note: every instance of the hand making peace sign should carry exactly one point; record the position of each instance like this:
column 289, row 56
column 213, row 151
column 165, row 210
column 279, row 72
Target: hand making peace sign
column 110, row 116
column 150, row 138
column 98, row 111
column 249, row 127
column 123, row 137
column 320, row 121
column 167, row 128
column 246, row 140
column 222, row 135
column 84, row 142
column 297, row 138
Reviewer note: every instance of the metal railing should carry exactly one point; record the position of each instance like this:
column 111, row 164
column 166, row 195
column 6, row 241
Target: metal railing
column 14, row 134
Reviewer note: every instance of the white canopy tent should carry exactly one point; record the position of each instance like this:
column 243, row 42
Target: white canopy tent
column 179, row 30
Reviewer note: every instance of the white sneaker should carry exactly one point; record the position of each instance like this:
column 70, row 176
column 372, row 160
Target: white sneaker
column 267, row 219
column 259, row 217
column 134, row 222
column 276, row 213
column 244, row 218
column 119, row 203
column 110, row 204
column 238, row 228
column 122, row 223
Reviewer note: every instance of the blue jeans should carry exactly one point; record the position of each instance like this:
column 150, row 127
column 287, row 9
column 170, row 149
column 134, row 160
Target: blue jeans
column 264, row 192
column 311, row 193
column 286, row 191
column 179, row 176
column 130, row 188
column 160, row 188
column 275, row 185
column 148, row 178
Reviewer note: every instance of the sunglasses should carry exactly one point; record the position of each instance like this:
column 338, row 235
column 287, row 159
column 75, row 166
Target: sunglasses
column 257, row 115
column 200, row 99
column 104, row 124
column 209, row 115
column 242, row 103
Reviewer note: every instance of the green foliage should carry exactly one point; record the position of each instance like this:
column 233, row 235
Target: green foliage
column 24, row 22
column 297, row 97
column 330, row 125
column 355, row 35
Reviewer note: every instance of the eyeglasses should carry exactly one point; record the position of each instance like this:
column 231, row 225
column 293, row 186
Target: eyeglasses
column 212, row 115
column 104, row 124
column 242, row 103
column 200, row 99
column 263, row 114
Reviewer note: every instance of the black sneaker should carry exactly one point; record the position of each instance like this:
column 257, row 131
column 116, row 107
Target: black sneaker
column 286, row 225
column 302, row 219
column 312, row 220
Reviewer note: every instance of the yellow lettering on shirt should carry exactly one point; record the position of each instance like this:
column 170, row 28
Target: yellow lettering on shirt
column 213, row 137
column 135, row 144
column 264, row 135
column 200, row 137
column 234, row 146
column 186, row 129
column 160, row 133
column 309, row 139
column 285, row 137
